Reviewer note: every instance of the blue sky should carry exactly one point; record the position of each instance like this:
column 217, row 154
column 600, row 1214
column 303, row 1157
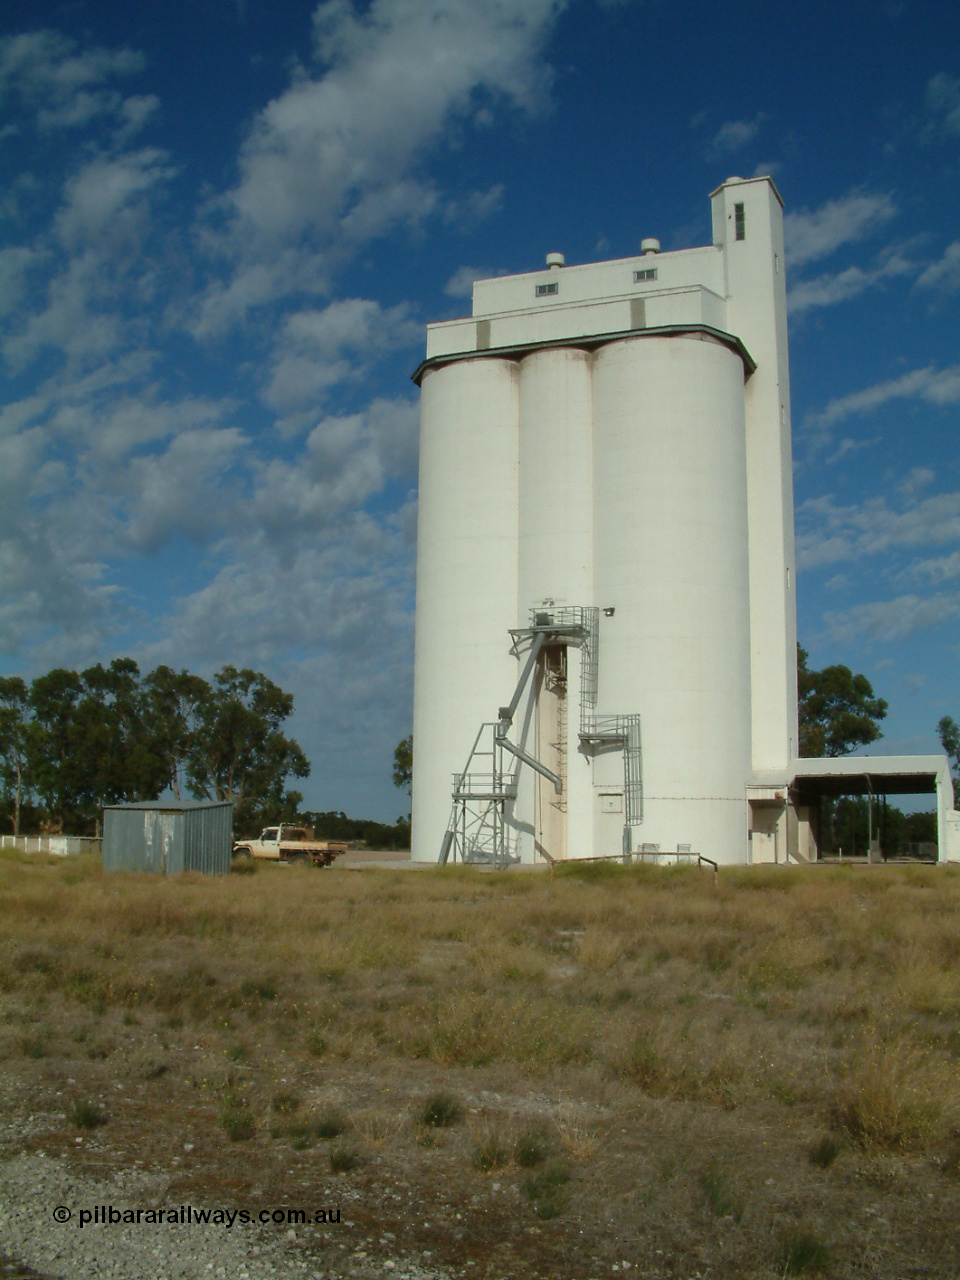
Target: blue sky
column 224, row 224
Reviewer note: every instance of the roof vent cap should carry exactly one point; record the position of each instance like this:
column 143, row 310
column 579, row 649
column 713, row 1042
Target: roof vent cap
column 650, row 245
column 555, row 261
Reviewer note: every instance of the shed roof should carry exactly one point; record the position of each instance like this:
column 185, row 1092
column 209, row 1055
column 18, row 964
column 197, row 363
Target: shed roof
column 171, row 806
column 851, row 775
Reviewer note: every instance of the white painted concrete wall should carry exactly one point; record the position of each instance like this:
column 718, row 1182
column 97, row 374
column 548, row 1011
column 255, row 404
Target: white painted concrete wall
column 643, row 476
column 467, row 560
column 757, row 314
column 670, row 556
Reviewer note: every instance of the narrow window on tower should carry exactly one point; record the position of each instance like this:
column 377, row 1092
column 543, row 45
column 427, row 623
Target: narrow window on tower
column 544, row 290
column 648, row 273
column 739, row 221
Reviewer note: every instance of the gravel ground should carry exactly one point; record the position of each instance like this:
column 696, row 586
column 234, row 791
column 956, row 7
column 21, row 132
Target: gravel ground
column 35, row 1245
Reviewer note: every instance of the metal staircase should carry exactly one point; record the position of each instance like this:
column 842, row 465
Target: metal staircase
column 479, row 830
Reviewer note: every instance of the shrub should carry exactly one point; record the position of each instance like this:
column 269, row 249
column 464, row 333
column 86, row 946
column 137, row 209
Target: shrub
column 824, row 1152
column 719, row 1194
column 491, row 1148
column 531, row 1147
column 87, row 1115
column 343, row 1158
column 328, row 1124
column 440, row 1111
column 545, row 1189
column 895, row 1096
column 238, row 1120
column 802, row 1253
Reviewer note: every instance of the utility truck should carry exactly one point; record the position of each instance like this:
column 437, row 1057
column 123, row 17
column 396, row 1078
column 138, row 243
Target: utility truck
column 290, row 844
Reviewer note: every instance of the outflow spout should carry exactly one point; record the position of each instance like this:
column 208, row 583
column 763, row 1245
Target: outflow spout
column 527, row 759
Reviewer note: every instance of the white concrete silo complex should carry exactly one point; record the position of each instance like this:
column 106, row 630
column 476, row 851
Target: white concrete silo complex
column 606, row 623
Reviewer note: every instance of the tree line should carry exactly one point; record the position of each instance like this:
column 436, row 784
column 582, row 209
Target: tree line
column 72, row 742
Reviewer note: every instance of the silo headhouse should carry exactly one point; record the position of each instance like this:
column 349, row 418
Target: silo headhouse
column 606, row 620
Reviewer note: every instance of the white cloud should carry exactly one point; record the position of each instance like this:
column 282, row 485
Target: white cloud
column 734, row 135
column 944, row 274
column 475, row 207
column 943, row 98
column 70, row 322
column 939, row 569
column 182, row 490
column 935, row 386
column 330, row 163
column 15, row 263
column 829, row 289
column 319, row 348
column 93, row 269
column 460, row 284
column 135, row 112
column 42, row 71
column 828, row 533
column 345, row 461
column 889, row 620
column 100, row 198
column 917, row 478
column 812, row 234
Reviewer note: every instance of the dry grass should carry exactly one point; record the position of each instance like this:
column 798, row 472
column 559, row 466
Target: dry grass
column 788, row 1004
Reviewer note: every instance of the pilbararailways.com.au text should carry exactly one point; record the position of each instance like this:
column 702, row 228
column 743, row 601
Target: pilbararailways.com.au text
column 105, row 1215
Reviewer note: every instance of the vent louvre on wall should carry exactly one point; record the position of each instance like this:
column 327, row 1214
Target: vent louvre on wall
column 545, row 290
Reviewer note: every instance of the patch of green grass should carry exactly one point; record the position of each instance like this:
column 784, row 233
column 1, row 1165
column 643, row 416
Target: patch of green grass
column 86, row 1115
column 545, row 1190
column 490, row 1151
column 343, row 1158
column 719, row 1194
column 285, row 1102
column 263, row 988
column 440, row 1111
column 239, row 1122
column 329, row 1123
column 802, row 1253
column 316, row 1044
column 531, row 1147
column 34, row 1046
column 824, row 1152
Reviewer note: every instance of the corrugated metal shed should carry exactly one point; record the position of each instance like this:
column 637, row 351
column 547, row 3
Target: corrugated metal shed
column 168, row 836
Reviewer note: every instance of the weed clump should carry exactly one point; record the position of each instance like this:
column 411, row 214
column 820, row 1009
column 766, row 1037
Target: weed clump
column 545, row 1189
column 329, row 1124
column 239, row 1122
column 531, row 1147
column 719, row 1195
column 824, row 1152
column 34, row 1046
column 87, row 1115
column 802, row 1253
column 343, row 1158
column 440, row 1111
column 491, row 1148
column 895, row 1096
